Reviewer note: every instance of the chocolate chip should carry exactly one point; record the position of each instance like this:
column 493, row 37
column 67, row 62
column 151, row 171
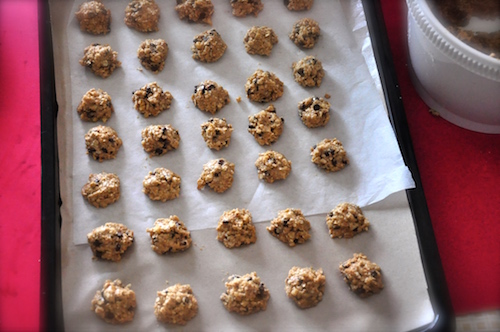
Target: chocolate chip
column 316, row 107
column 158, row 151
column 96, row 243
column 300, row 71
column 221, row 161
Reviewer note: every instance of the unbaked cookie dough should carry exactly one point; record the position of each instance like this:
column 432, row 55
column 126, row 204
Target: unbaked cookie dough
column 297, row 5
column 216, row 133
column 272, row 166
column 152, row 54
column 115, row 303
column 217, row 174
column 305, row 286
column 308, row 71
column 101, row 59
column 290, row 227
column 94, row 17
column 305, row 33
column 176, row 305
column 208, row 46
column 162, row 185
column 260, row 40
column 242, row 8
column 330, row 155
column 236, row 228
column 169, row 235
column 102, row 189
column 151, row 100
column 346, row 220
column 266, row 126
column 102, row 143
column 263, row 87
column 142, row 15
column 110, row 241
column 314, row 112
column 363, row 277
column 245, row 294
column 198, row 11
column 95, row 105
column 210, row 97
column 159, row 139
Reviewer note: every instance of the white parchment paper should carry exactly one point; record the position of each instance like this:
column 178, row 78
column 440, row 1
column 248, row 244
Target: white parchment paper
column 358, row 119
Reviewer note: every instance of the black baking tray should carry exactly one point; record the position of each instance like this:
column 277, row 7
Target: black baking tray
column 51, row 318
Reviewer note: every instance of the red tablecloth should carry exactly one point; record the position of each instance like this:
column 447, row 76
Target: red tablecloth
column 460, row 172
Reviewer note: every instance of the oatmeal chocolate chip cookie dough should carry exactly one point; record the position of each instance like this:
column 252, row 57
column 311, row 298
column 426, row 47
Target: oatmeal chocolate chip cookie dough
column 218, row 174
column 245, row 294
column 329, row 154
column 272, row 166
column 208, row 46
column 305, row 33
column 216, row 133
column 142, row 15
column 151, row 100
column 110, row 241
column 169, row 235
column 102, row 189
column 260, row 40
column 346, row 220
column 94, row 17
column 197, row 11
column 297, row 5
column 308, row 71
column 176, row 305
column 210, row 97
column 290, row 227
column 242, row 8
column 115, row 303
column 102, row 143
column 162, row 185
column 263, row 87
column 305, row 286
column 363, row 277
column 152, row 54
column 95, row 105
column 266, row 126
column 101, row 59
column 236, row 228
column 314, row 112
column 159, row 139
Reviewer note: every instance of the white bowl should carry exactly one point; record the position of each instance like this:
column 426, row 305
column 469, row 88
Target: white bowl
column 456, row 80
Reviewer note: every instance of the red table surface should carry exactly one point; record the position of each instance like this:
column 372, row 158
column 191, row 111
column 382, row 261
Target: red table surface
column 460, row 172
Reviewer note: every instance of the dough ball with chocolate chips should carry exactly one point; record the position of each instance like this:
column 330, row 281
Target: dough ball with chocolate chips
column 297, row 5
column 273, row 166
column 266, row 126
column 242, row 8
column 169, row 235
column 290, row 227
column 245, row 294
column 102, row 143
column 101, row 59
column 152, row 54
column 95, row 105
column 102, row 189
column 94, row 17
column 151, row 100
column 260, row 40
column 216, row 133
column 308, row 71
column 142, row 15
column 162, row 185
column 305, row 33
column 198, row 11
column 208, row 46
column 362, row 276
column 329, row 154
column 210, row 97
column 305, row 286
column 263, row 87
column 236, row 228
column 346, row 220
column 314, row 112
column 115, row 303
column 110, row 241
column 217, row 174
column 176, row 305
column 159, row 139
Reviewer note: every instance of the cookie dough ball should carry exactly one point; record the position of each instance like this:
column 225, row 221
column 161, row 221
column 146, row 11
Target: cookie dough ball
column 159, row 139
column 245, row 294
column 110, row 241
column 151, row 100
column 242, row 8
column 273, row 166
column 102, row 189
column 152, row 54
column 297, row 5
column 290, row 227
column 95, row 105
column 210, row 97
column 263, row 87
column 266, row 126
column 198, row 11
column 101, row 59
column 115, row 303
column 216, row 133
column 169, row 235
column 314, row 112
column 236, row 228
column 176, row 305
column 162, row 185
column 94, row 17
column 330, row 155
column 305, row 286
column 363, row 277
column 308, row 71
column 142, row 15
column 208, row 46
column 260, row 40
column 305, row 33
column 346, row 220
column 102, row 143
column 217, row 174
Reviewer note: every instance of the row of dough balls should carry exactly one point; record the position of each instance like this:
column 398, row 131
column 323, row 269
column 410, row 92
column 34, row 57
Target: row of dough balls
column 245, row 294
column 143, row 15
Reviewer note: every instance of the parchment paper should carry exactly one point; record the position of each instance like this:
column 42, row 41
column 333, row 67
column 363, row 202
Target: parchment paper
column 358, row 119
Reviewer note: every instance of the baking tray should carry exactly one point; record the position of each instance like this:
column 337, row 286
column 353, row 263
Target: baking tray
column 51, row 303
